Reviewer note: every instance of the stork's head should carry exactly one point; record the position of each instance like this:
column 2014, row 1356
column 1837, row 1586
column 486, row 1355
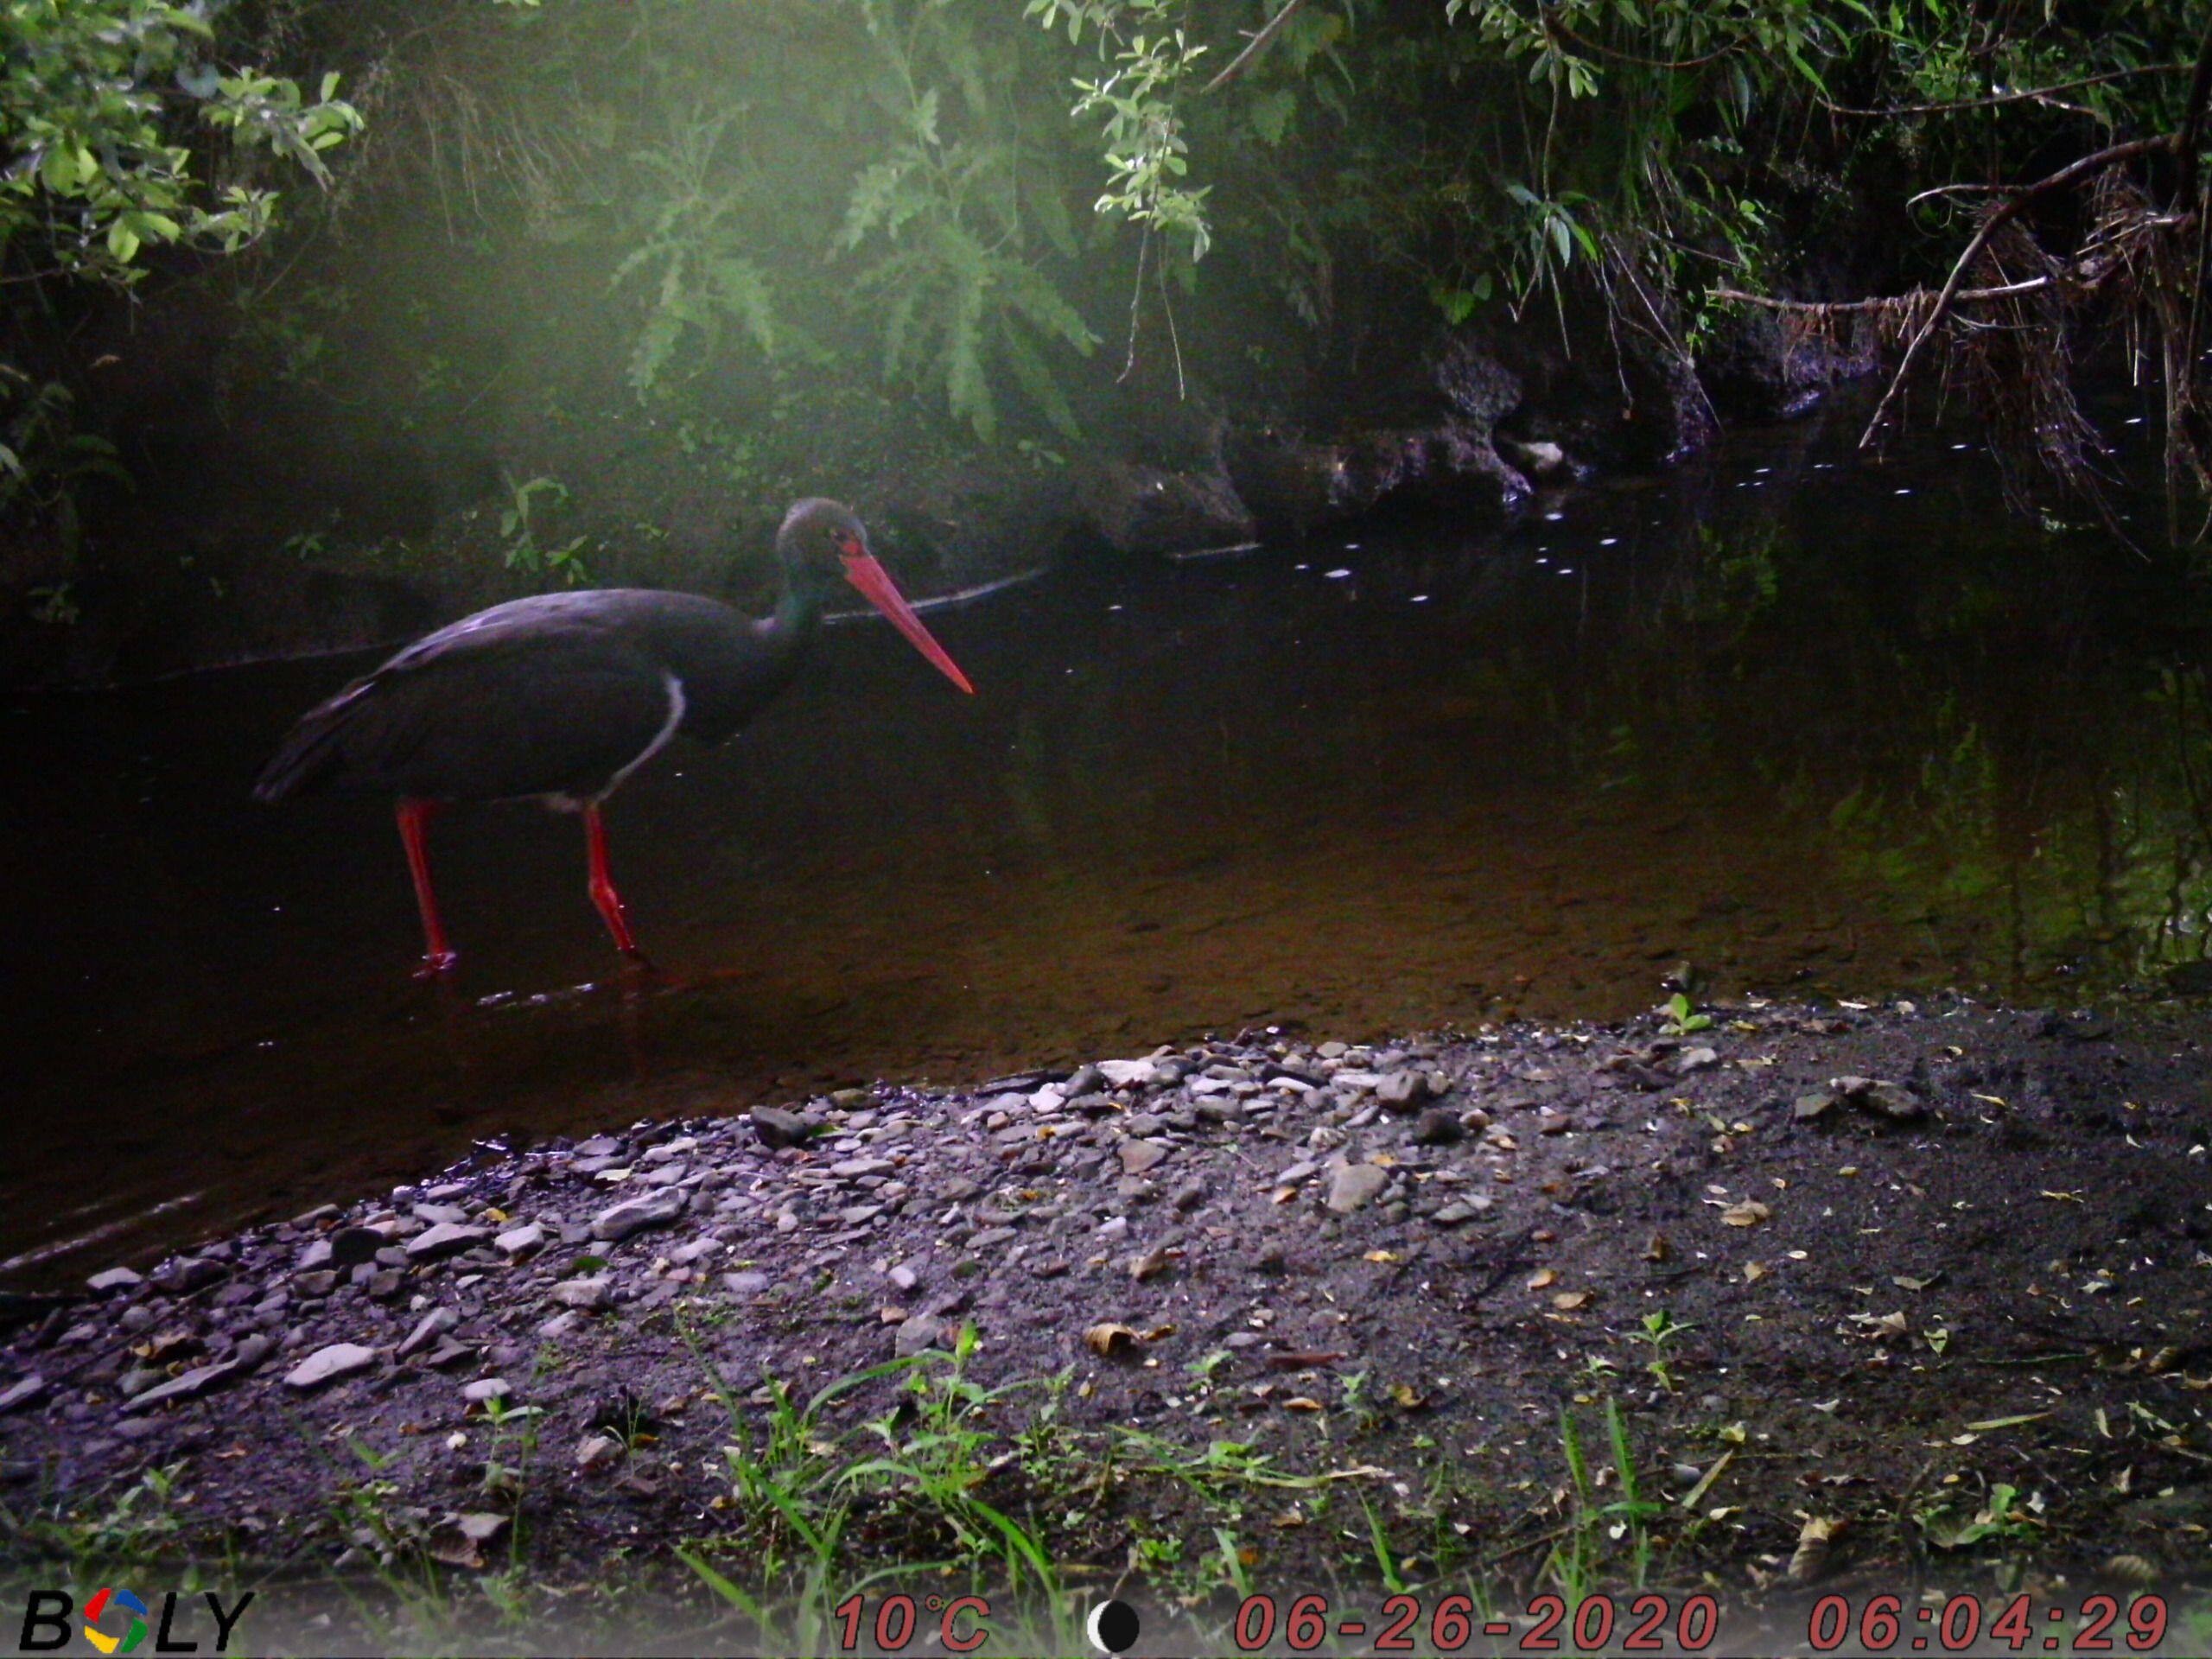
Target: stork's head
column 823, row 539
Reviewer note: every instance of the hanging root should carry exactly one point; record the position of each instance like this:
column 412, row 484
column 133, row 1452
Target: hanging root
column 2008, row 325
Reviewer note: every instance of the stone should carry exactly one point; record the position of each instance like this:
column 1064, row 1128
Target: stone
column 339, row 1359
column 486, row 1390
column 1139, row 1156
column 1806, row 1108
column 777, row 1127
column 1352, row 1185
column 652, row 1210
column 428, row 1329
column 922, row 1331
column 597, row 1451
column 520, row 1241
column 191, row 1272
column 349, row 1247
column 1438, row 1127
column 1402, row 1092
column 21, row 1392
column 587, row 1295
column 114, row 1278
column 202, row 1379
column 1127, row 1074
column 446, row 1238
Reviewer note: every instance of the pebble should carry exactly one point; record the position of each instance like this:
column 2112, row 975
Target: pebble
column 654, row 1209
column 922, row 1331
column 586, row 1295
column 777, row 1127
column 1139, row 1156
column 446, row 1238
column 1353, row 1185
column 327, row 1364
column 520, row 1241
column 114, row 1278
column 1438, row 1128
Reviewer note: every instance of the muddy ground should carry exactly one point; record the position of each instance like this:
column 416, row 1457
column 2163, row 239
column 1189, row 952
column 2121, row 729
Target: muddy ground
column 1875, row 1297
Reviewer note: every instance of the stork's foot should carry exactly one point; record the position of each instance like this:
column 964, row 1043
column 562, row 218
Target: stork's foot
column 436, row 964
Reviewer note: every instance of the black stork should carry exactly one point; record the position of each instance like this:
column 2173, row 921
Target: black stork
column 560, row 697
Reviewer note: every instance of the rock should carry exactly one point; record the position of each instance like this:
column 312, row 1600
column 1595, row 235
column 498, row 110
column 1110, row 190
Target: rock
column 21, row 1392
column 596, row 1452
column 587, row 1295
column 1462, row 1210
column 1127, row 1074
column 446, row 1238
column 203, row 1379
column 1402, row 1092
column 652, row 1210
column 1893, row 1101
column 114, row 1278
column 428, row 1329
column 486, row 1390
column 191, row 1272
column 1806, row 1108
column 1150, row 510
column 904, row 1277
column 1542, row 460
column 351, row 1246
column 777, row 1127
column 1438, row 1127
column 520, row 1241
column 914, row 1335
column 1352, row 1185
column 436, row 1214
column 1697, row 1059
column 1137, row 1156
column 339, row 1359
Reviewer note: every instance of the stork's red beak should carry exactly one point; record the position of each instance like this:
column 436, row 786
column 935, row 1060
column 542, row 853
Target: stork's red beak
column 872, row 580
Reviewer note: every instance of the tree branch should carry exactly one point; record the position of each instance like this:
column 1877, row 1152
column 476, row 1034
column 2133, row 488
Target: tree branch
column 1257, row 44
column 2006, row 210
column 1829, row 308
column 1996, row 98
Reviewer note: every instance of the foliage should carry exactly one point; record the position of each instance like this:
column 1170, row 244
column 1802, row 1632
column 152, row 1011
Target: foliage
column 100, row 103
column 952, row 221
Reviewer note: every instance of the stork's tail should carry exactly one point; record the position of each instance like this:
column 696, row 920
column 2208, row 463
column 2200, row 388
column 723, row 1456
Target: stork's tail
column 313, row 752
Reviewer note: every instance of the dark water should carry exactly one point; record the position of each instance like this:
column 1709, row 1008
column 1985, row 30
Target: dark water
column 1808, row 724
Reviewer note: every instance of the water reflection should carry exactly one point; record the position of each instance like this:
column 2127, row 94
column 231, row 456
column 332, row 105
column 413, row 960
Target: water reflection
column 1801, row 723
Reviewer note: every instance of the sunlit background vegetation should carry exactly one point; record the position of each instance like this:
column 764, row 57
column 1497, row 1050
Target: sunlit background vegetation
column 543, row 255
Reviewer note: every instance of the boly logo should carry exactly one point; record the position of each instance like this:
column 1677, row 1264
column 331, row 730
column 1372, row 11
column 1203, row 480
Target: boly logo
column 116, row 1622
column 96, row 1609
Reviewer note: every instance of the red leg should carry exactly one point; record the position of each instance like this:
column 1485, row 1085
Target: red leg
column 603, row 887
column 414, row 823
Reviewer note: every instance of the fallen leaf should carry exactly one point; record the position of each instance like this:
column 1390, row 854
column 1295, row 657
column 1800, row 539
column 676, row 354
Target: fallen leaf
column 1987, row 1424
column 1567, row 1300
column 1810, row 1559
column 1542, row 1277
column 1108, row 1339
column 1303, row 1359
column 1748, row 1213
column 1657, row 1248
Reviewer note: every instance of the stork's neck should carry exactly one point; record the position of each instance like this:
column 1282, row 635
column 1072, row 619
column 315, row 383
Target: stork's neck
column 791, row 627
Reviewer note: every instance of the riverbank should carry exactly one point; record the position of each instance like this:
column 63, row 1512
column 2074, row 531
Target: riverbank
column 1805, row 1296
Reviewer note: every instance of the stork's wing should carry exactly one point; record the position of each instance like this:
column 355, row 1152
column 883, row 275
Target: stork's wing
column 517, row 702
